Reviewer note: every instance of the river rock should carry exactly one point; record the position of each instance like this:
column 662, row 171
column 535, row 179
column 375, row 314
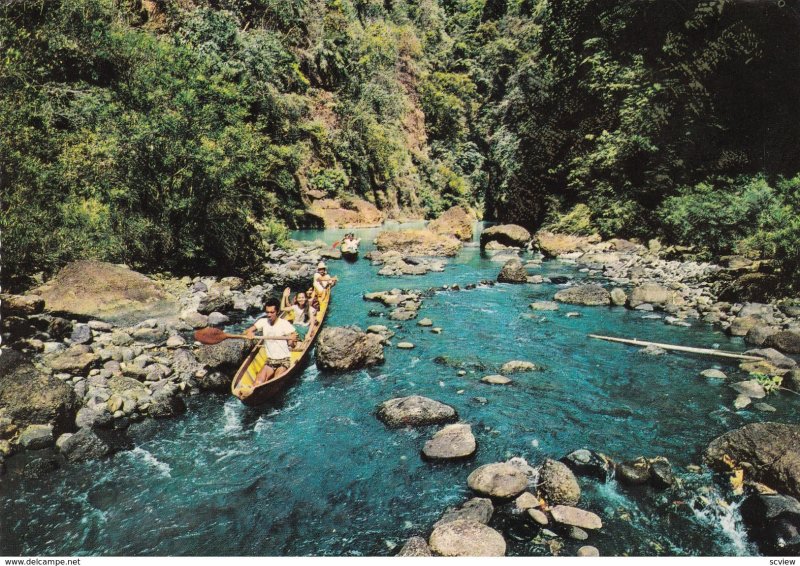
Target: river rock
column 166, row 403
column 415, row 411
column 792, row 380
column 774, row 357
column 539, row 517
column 195, row 319
column 634, row 472
column 36, row 436
column 654, row 294
column 752, row 388
column 417, row 243
column 661, row 475
column 105, row 291
column 754, row 287
column 758, row 335
column 713, row 374
column 574, row 517
column 773, row 450
column 355, row 212
column 787, row 341
column 513, row 272
column 544, row 306
column 215, row 302
column 227, row 355
column 518, row 366
column 81, row 334
column 589, row 463
column 501, row 480
column 30, row 397
column 507, row 234
column 456, row 222
column 588, row 551
column 496, row 379
column 773, row 521
column 343, row 348
column 415, row 546
column 40, row 467
column 175, row 341
column 466, row 538
column 217, row 319
column 478, row 509
column 426, row 322
column 741, row 325
column 742, row 401
column 554, row 245
column 618, row 297
column 405, row 345
column 591, row 295
column 453, row 442
column 20, row 305
column 76, row 359
column 89, row 417
column 526, row 501
column 557, row 484
column 92, row 444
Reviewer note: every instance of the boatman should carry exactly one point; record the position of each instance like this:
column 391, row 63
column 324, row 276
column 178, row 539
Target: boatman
column 322, row 281
column 279, row 338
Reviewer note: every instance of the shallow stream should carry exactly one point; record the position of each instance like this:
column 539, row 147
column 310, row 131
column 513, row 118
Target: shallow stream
column 315, row 473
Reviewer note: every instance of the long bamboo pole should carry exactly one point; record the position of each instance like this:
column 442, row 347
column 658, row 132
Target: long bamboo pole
column 705, row 351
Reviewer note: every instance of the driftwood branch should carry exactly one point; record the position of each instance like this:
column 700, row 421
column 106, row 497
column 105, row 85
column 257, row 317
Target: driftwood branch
column 673, row 347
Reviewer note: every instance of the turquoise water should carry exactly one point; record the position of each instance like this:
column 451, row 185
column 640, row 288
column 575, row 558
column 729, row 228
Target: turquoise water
column 315, row 473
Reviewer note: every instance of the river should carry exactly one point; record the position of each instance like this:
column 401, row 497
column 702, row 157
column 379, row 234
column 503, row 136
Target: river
column 315, row 473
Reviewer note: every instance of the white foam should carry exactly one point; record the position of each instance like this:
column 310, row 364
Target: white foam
column 232, row 416
column 725, row 517
column 148, row 458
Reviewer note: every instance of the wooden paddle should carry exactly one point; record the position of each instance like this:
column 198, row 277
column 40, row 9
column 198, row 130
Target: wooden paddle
column 210, row 336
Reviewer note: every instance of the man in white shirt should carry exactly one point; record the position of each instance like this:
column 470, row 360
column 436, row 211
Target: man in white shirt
column 280, row 336
column 323, row 281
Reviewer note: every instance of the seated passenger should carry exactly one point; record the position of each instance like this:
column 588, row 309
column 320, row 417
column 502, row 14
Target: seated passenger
column 303, row 312
column 322, row 281
column 279, row 338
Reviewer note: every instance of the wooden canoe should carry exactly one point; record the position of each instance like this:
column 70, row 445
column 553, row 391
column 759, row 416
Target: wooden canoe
column 350, row 254
column 242, row 384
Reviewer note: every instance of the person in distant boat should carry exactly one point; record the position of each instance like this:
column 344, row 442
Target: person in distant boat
column 350, row 243
column 322, row 281
column 303, row 312
column 280, row 336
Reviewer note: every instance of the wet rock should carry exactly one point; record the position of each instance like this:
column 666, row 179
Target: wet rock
column 36, row 436
column 217, row 319
column 518, row 366
column 618, row 297
column 30, row 397
column 577, row 533
column 456, row 222
column 661, row 475
column 215, row 381
column 513, row 272
column 787, row 341
column 526, row 501
column 741, row 402
column 758, row 335
column 589, row 463
column 544, row 306
column 773, row 450
column 453, row 442
column 752, row 388
column 652, row 350
column 574, row 517
column 415, row 411
column 426, row 322
column 557, row 484
column 108, row 292
column 500, row 480
column 478, row 509
column 774, row 357
column 653, row 294
column 773, row 521
column 415, row 546
column 634, row 472
column 539, row 517
column 348, row 347
column 466, row 538
column 91, row 444
column 165, row 403
column 764, row 407
column 713, row 374
column 405, row 345
column 590, row 295
column 40, row 467
column 588, row 551
column 496, row 379
column 510, row 235
column 227, row 355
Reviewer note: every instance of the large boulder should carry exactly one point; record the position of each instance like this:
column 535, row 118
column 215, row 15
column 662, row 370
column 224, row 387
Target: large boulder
column 456, row 222
column 574, row 517
column 415, row 546
column 554, row 245
column 30, row 397
column 417, row 243
column 501, row 480
column 589, row 463
column 453, row 442
column 76, row 359
column 654, row 294
column 105, row 291
column 415, row 411
column 557, row 484
column 591, row 295
column 343, row 348
column 466, row 538
column 478, row 509
column 20, row 305
column 507, row 235
column 758, row 287
column 93, row 444
column 513, row 272
column 226, row 355
column 215, row 303
column 786, row 341
column 771, row 449
column 773, row 521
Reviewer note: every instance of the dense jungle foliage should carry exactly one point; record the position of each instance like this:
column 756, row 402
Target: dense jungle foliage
column 185, row 135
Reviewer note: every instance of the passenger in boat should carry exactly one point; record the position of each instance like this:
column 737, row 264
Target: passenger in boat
column 350, row 243
column 323, row 281
column 280, row 336
column 302, row 311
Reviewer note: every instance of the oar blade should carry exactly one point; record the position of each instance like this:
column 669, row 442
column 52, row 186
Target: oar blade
column 210, row 336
